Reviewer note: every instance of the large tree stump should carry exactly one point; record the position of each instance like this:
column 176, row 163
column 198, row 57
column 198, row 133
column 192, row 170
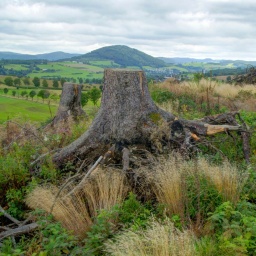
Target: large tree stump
column 128, row 116
column 70, row 103
column 124, row 115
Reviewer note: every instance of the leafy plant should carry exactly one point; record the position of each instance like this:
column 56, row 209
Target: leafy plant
column 235, row 228
column 160, row 95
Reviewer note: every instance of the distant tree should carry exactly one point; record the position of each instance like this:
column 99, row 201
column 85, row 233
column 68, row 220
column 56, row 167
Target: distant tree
column 84, row 98
column 198, row 77
column 80, row 80
column 5, row 90
column 62, row 81
column 94, row 95
column 74, row 80
column 54, row 97
column 87, row 80
column 55, row 83
column 45, row 83
column 13, row 93
column 36, row 81
column 44, row 94
column 17, row 81
column 8, row 81
column 32, row 94
column 24, row 93
column 228, row 79
column 26, row 81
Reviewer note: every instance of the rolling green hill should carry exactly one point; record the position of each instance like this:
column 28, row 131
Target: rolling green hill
column 121, row 55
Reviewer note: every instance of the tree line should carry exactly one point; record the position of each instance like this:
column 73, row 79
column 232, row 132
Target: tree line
column 37, row 82
column 94, row 95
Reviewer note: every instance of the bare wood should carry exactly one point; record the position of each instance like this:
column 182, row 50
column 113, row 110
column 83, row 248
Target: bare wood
column 126, row 159
column 213, row 129
column 43, row 156
column 18, row 231
column 80, row 185
column 7, row 215
column 110, row 153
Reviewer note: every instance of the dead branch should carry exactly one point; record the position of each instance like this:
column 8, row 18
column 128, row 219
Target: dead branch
column 43, row 156
column 8, row 216
column 18, row 231
column 80, row 185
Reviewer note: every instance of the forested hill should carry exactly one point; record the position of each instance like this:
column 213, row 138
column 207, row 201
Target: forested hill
column 122, row 55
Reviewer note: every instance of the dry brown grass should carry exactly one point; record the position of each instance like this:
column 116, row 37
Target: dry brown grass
column 223, row 93
column 157, row 240
column 168, row 181
column 102, row 191
column 168, row 184
column 72, row 214
column 226, row 178
column 105, row 189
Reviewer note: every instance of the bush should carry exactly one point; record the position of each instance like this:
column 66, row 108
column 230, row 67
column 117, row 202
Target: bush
column 235, row 228
column 161, row 96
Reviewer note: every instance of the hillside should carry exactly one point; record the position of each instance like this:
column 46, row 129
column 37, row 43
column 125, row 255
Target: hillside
column 45, row 56
column 121, row 55
column 186, row 60
column 222, row 62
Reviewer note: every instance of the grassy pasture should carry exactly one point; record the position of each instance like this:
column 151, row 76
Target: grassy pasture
column 13, row 107
column 68, row 69
column 62, row 69
column 16, row 66
column 104, row 63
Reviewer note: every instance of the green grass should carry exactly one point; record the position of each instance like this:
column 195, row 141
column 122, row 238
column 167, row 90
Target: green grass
column 104, row 63
column 16, row 67
column 28, row 110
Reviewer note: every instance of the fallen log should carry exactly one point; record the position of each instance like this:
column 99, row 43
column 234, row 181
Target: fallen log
column 18, row 231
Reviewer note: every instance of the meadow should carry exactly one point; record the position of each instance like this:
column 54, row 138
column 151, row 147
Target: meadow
column 24, row 109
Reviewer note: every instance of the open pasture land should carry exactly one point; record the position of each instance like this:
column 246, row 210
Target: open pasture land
column 67, row 70
column 11, row 108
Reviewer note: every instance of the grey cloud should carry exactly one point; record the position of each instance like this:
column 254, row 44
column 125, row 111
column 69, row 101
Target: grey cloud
column 210, row 28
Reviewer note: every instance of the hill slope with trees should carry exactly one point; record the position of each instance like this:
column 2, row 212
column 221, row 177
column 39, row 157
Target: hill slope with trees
column 122, row 55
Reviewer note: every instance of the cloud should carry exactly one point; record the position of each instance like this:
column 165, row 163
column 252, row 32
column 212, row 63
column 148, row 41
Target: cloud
column 200, row 28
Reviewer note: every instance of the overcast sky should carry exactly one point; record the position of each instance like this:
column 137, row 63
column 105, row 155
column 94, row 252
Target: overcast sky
column 219, row 29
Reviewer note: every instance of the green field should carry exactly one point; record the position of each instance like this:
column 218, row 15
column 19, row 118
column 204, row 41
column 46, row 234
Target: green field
column 28, row 110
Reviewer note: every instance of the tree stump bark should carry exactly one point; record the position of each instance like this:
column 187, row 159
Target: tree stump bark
column 129, row 116
column 70, row 104
column 126, row 113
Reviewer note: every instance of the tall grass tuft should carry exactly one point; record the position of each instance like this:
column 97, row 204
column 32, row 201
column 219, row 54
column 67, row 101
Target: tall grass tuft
column 102, row 191
column 105, row 189
column 176, row 181
column 226, row 178
column 159, row 239
column 168, row 185
column 72, row 214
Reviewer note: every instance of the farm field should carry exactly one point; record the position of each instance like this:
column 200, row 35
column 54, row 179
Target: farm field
column 61, row 69
column 28, row 110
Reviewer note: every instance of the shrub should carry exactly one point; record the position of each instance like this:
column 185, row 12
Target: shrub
column 160, row 95
column 235, row 228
